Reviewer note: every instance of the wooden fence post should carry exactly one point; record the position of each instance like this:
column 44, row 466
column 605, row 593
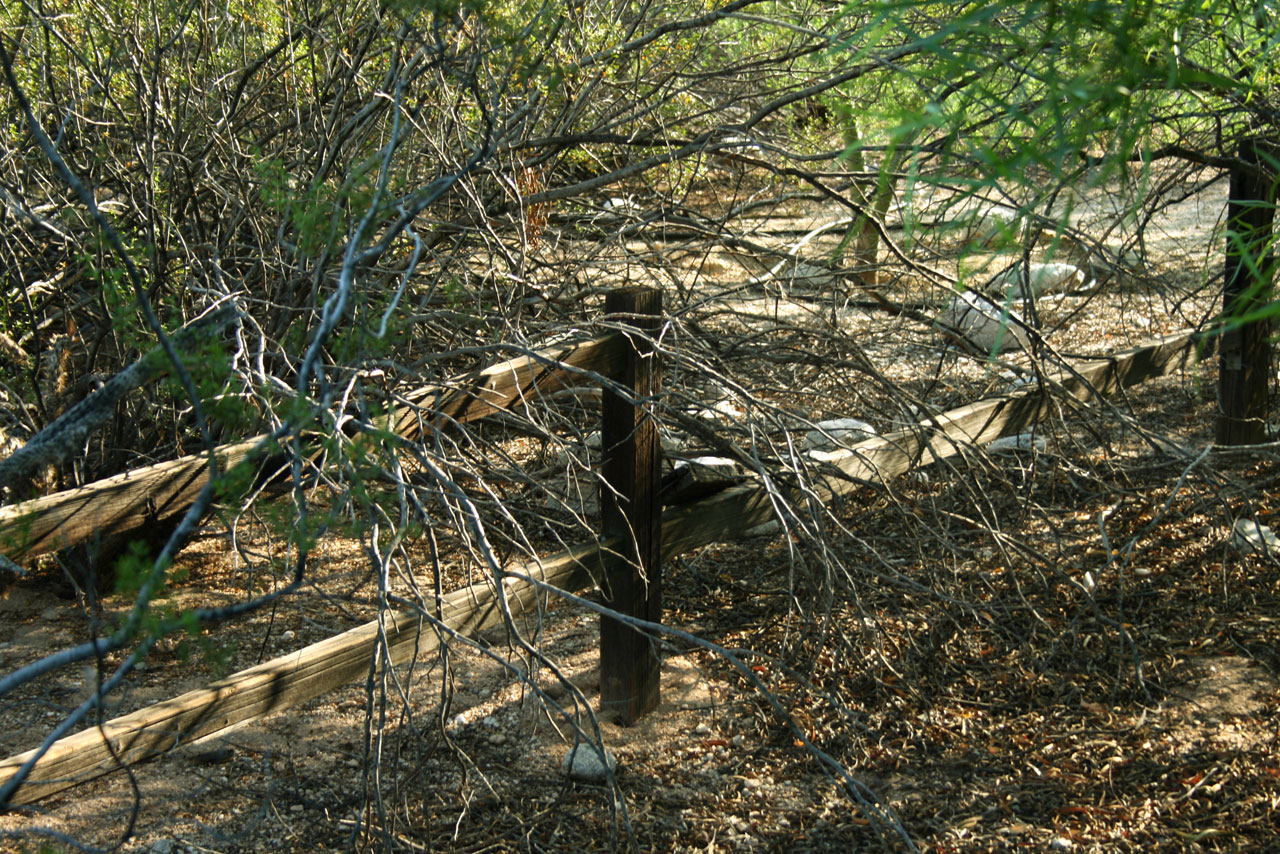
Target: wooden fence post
column 630, row 508
column 1244, row 374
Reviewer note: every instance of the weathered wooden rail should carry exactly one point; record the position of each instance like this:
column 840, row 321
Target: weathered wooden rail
column 285, row 681
column 126, row 501
column 310, row 672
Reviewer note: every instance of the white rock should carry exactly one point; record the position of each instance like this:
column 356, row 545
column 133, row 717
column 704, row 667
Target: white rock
column 983, row 323
column 618, row 204
column 1043, row 278
column 838, row 431
column 1017, row 382
column 836, row 456
column 287, row 635
column 1061, row 843
column 1020, row 442
column 582, row 762
column 723, row 465
column 1249, row 536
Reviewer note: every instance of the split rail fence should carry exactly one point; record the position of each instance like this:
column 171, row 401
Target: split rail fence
column 624, row 563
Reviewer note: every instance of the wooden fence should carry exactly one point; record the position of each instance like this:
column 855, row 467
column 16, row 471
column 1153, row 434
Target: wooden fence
column 638, row 534
column 124, row 502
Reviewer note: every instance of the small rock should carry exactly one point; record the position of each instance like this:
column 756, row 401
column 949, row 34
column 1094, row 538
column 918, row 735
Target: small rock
column 702, row 729
column 497, row 738
column 459, row 720
column 737, row 740
column 297, row 808
column 768, row 529
column 1014, row 444
column 161, row 846
column 1061, row 843
column 838, row 431
column 836, row 456
column 490, row 721
column 287, row 635
column 752, row 783
column 582, row 763
column 620, row 204
column 1018, row 381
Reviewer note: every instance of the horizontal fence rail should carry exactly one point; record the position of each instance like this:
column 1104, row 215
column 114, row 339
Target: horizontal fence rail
column 314, row 670
column 153, row 493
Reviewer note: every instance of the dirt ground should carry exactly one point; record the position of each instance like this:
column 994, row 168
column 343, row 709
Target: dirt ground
column 1057, row 651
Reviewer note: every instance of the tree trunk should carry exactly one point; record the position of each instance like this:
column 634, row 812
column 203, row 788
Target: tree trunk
column 873, row 197
column 1245, row 348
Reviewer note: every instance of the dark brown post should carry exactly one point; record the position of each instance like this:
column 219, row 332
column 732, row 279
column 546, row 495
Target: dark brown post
column 1244, row 350
column 630, row 508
